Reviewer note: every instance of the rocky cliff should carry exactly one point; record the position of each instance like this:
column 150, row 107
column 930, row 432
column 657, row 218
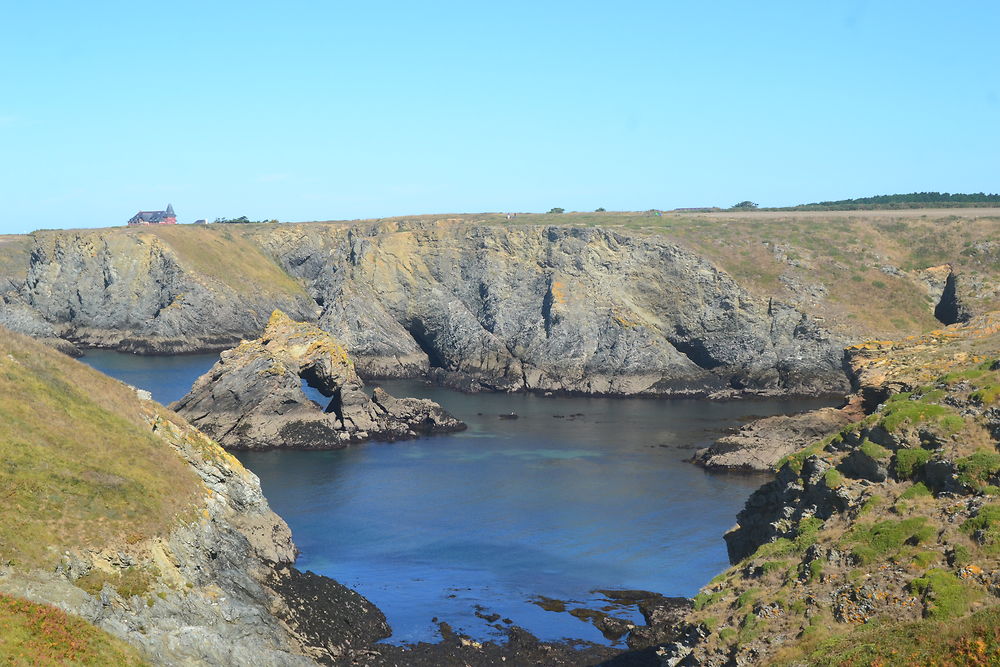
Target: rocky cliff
column 252, row 398
column 549, row 308
column 479, row 307
column 151, row 291
column 878, row 543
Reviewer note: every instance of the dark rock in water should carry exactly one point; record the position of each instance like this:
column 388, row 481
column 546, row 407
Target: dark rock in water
column 326, row 615
column 509, row 415
column 253, row 399
column 520, row 648
column 550, row 604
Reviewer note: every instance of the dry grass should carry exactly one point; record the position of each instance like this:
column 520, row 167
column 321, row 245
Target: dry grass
column 223, row 252
column 80, row 466
column 37, row 634
column 14, row 253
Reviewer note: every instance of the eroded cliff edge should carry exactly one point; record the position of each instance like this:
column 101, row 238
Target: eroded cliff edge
column 477, row 307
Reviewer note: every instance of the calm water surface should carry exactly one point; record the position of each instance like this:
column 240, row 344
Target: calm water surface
column 576, row 494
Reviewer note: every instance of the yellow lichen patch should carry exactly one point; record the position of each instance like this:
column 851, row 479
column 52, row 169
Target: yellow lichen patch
column 558, row 290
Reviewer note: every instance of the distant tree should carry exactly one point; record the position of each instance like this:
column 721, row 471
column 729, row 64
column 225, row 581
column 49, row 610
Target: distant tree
column 746, row 204
column 557, row 210
column 599, row 210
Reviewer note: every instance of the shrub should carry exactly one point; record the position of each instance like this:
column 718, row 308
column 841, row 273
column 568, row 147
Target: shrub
column 832, row 479
column 909, row 460
column 918, row 490
column 874, row 451
column 976, row 470
column 557, row 210
column 943, row 593
column 885, row 539
column 985, row 527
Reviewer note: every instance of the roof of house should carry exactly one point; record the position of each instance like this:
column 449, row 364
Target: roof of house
column 154, row 216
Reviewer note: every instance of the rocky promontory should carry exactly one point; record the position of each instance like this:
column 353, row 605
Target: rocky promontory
column 759, row 445
column 878, row 542
column 253, row 397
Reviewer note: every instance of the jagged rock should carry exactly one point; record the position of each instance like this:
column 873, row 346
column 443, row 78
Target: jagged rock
column 859, row 465
column 253, row 397
column 760, row 444
column 941, row 477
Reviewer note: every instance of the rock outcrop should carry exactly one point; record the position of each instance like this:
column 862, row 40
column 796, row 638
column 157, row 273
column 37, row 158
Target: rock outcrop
column 759, row 445
column 203, row 575
column 253, row 397
column 154, row 291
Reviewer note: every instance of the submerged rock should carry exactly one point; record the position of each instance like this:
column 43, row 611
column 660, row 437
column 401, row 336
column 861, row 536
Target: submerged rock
column 253, row 397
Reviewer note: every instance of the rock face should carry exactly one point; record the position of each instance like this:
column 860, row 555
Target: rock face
column 550, row 308
column 478, row 307
column 759, row 445
column 253, row 397
column 135, row 292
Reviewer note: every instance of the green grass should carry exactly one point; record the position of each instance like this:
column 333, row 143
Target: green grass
column 918, row 490
column 987, row 524
column 38, row 634
column 227, row 255
column 78, row 465
column 833, row 479
column 976, row 470
column 884, row 540
column 966, row 642
column 899, row 413
column 874, row 451
column 909, row 461
column 945, row 596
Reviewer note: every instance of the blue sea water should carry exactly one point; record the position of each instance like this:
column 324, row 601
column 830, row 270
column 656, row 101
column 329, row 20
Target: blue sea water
column 576, row 494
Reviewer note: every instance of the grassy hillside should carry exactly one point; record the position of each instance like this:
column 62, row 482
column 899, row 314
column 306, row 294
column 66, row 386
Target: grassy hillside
column 14, row 252
column 80, row 467
column 225, row 254
column 37, row 634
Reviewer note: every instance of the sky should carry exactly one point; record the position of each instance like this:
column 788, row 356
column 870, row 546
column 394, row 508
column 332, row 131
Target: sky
column 335, row 110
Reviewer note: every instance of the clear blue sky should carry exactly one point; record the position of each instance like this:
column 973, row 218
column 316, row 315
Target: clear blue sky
column 329, row 110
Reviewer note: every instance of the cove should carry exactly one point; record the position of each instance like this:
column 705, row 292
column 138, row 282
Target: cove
column 576, row 494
